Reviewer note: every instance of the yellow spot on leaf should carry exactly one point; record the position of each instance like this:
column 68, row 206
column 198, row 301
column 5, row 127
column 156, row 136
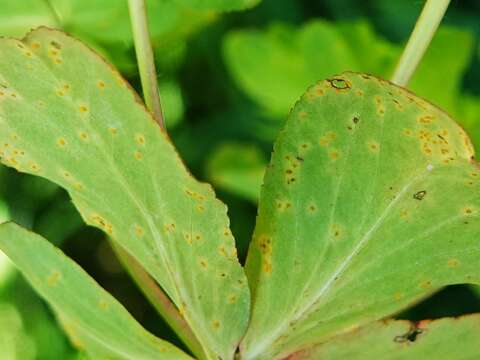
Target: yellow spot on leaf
column 54, row 278
column 453, row 263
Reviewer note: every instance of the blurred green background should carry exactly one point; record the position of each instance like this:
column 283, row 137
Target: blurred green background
column 227, row 82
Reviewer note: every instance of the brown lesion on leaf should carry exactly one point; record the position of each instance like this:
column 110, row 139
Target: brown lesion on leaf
column 138, row 230
column 232, row 298
column 215, row 325
column 264, row 243
column 203, row 263
column 61, row 142
column 411, row 335
column 336, row 231
column 140, row 139
column 339, row 84
column 373, row 146
column 282, row 205
column 420, row 195
column 102, row 223
column 327, row 138
column 334, row 154
column 312, row 208
column 138, row 155
column 426, row 119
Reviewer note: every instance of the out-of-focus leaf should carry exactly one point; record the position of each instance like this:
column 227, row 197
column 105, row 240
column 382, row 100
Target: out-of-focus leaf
column 172, row 102
column 219, row 5
column 18, row 17
column 444, row 339
column 6, row 268
column 238, row 168
column 275, row 67
column 439, row 75
column 81, row 127
column 15, row 344
column 94, row 320
column 344, row 238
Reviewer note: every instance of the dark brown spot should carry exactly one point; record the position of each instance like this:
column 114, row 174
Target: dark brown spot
column 420, row 195
column 339, row 84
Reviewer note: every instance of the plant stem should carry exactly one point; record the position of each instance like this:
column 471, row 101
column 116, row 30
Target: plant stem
column 420, row 38
column 160, row 301
column 146, row 63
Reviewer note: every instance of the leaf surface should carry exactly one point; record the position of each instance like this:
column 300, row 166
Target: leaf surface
column 67, row 116
column 94, row 320
column 371, row 202
column 448, row 339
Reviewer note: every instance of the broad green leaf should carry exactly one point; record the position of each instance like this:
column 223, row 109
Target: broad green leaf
column 172, row 103
column 94, row 320
column 449, row 53
column 69, row 117
column 275, row 66
column 448, row 339
column 15, row 344
column 371, row 202
column 18, row 17
column 219, row 5
column 238, row 168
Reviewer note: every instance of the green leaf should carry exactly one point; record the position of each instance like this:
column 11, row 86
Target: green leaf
column 371, row 202
column 404, row 340
column 238, row 168
column 18, row 17
column 219, row 5
column 67, row 116
column 275, row 66
column 94, row 320
column 449, row 53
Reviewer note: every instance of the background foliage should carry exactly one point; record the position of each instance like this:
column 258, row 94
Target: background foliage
column 227, row 82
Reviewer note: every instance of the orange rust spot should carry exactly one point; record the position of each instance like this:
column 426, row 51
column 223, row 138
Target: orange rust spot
column 203, row 263
column 54, row 278
column 453, row 263
column 83, row 135
column 103, row 304
column 264, row 243
column 139, row 230
column 334, row 155
column 138, row 155
column 373, row 146
column 200, row 208
column 101, row 84
column 215, row 324
column 61, row 142
column 426, row 119
column 35, row 45
column 232, row 299
column 327, row 138
column 82, row 109
column 267, row 267
column 398, row 296
column 425, row 284
column 140, row 139
column 113, row 131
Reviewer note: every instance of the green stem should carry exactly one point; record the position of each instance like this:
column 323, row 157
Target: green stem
column 146, row 63
column 160, row 301
column 420, row 38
